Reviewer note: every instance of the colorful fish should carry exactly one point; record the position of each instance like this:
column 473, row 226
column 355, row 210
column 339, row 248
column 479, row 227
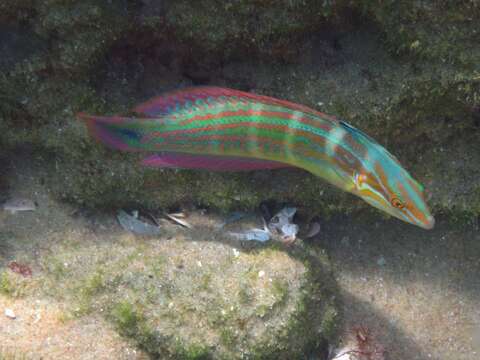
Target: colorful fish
column 223, row 129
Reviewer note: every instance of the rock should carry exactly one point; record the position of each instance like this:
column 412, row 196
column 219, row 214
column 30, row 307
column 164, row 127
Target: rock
column 262, row 303
column 10, row 314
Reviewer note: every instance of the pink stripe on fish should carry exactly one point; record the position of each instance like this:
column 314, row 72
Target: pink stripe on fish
column 209, row 162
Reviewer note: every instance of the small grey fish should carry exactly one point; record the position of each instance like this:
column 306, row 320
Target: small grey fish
column 232, row 218
column 284, row 216
column 136, row 226
column 252, row 235
column 15, row 205
column 281, row 224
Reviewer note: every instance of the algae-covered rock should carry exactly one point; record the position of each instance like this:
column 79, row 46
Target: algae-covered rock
column 83, row 30
column 179, row 298
column 445, row 31
column 186, row 294
column 17, row 11
column 226, row 28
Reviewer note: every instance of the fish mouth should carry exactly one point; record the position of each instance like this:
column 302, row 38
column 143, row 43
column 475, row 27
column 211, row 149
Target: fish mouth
column 429, row 223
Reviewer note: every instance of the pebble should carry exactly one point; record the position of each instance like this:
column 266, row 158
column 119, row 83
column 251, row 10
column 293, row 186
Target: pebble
column 10, row 314
column 261, row 273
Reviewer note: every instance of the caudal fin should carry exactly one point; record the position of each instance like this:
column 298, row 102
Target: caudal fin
column 116, row 132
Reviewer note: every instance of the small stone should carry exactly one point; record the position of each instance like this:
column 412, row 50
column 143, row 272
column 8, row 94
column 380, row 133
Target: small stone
column 199, row 263
column 261, row 273
column 10, row 314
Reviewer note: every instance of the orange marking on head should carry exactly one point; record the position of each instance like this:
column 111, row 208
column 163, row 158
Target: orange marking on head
column 383, row 178
column 409, row 204
column 374, row 196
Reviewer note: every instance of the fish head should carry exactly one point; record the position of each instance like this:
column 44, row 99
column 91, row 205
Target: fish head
column 390, row 188
column 380, row 180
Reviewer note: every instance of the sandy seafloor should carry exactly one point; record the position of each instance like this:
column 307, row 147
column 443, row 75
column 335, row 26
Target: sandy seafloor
column 417, row 291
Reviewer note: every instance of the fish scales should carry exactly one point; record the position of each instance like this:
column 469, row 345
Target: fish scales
column 257, row 130
column 231, row 124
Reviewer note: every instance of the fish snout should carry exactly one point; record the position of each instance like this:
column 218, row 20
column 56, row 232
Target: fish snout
column 429, row 223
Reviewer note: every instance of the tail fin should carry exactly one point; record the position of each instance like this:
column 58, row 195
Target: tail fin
column 116, row 132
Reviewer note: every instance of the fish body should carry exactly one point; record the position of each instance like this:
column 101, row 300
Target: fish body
column 206, row 126
column 15, row 205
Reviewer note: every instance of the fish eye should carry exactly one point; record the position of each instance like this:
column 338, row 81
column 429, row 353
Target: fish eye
column 397, row 203
column 359, row 179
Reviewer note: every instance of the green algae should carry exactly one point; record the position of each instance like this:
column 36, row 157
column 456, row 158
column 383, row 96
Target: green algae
column 236, row 28
column 433, row 30
column 281, row 315
column 19, row 11
column 6, row 285
column 12, row 355
column 14, row 285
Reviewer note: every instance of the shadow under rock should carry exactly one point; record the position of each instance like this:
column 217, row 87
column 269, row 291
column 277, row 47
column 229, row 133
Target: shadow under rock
column 382, row 332
column 446, row 257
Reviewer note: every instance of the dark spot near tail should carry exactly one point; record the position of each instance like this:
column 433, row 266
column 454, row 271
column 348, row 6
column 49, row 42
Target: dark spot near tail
column 131, row 134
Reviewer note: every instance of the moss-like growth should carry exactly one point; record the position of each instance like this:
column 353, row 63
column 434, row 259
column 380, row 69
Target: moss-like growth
column 6, row 286
column 75, row 50
column 126, row 318
column 436, row 30
column 205, row 302
column 12, row 355
column 236, row 28
column 13, row 285
column 131, row 322
column 18, row 11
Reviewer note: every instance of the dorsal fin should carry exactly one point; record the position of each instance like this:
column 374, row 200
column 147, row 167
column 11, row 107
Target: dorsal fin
column 167, row 103
column 358, row 133
column 355, row 132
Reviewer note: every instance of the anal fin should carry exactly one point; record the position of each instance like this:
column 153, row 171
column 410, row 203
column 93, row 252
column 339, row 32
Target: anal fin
column 209, row 162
